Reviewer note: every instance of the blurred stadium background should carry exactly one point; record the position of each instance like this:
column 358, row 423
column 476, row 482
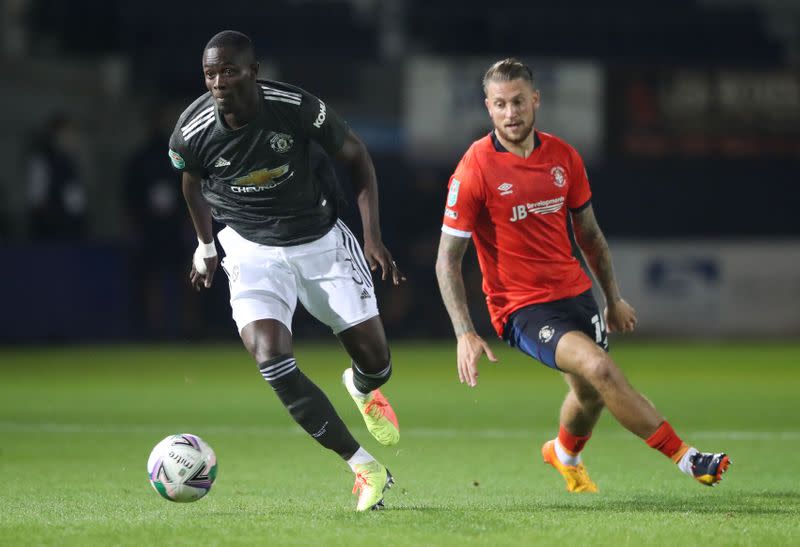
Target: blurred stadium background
column 687, row 114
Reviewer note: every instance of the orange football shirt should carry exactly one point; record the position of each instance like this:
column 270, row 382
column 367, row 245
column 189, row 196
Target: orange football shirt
column 515, row 209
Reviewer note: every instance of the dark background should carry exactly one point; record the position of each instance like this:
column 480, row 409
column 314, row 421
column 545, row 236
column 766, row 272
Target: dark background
column 699, row 137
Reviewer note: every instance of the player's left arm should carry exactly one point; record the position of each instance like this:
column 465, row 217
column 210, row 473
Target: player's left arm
column 326, row 127
column 620, row 316
column 354, row 155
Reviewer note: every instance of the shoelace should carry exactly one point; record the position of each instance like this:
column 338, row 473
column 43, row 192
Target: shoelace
column 361, row 482
column 377, row 403
column 577, row 477
column 576, row 473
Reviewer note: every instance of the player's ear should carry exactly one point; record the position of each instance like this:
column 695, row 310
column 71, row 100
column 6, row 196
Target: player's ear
column 536, row 99
column 486, row 102
column 254, row 70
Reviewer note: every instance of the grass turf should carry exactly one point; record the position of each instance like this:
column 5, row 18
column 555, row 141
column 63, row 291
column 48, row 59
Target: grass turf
column 78, row 423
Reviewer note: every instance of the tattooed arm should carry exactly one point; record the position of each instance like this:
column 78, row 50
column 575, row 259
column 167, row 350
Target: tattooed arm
column 620, row 316
column 470, row 346
column 451, row 281
column 595, row 250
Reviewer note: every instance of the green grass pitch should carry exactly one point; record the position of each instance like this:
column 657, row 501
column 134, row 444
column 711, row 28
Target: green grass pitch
column 77, row 425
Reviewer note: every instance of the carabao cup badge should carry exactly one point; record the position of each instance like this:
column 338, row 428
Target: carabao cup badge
column 452, row 195
column 176, row 159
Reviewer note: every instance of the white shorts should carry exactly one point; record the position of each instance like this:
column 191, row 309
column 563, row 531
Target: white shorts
column 330, row 276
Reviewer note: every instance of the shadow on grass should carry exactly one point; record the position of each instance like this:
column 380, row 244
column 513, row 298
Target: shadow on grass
column 783, row 495
column 333, row 513
column 752, row 504
column 724, row 508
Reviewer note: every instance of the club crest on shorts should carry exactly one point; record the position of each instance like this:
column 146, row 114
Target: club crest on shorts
column 546, row 333
column 559, row 176
column 281, row 142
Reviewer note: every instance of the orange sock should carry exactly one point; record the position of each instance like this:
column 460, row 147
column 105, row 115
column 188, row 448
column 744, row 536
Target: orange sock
column 572, row 443
column 666, row 441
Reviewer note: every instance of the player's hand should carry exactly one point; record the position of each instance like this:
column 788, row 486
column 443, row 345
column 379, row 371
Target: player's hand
column 469, row 350
column 377, row 254
column 620, row 317
column 201, row 281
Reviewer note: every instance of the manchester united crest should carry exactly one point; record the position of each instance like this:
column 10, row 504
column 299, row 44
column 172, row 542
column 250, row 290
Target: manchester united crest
column 281, row 142
column 559, row 176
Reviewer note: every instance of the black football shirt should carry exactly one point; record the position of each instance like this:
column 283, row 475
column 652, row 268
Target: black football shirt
column 272, row 180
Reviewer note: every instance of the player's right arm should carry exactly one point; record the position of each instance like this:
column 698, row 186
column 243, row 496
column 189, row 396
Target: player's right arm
column 205, row 259
column 465, row 200
column 470, row 346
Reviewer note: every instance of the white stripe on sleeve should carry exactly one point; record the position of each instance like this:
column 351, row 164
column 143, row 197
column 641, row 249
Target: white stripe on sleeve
column 453, row 232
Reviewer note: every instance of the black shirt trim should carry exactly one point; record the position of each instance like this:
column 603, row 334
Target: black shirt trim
column 498, row 147
column 581, row 207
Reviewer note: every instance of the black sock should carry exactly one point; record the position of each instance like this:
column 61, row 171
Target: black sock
column 308, row 405
column 369, row 381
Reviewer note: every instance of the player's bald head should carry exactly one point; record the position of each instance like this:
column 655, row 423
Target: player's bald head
column 234, row 42
column 507, row 70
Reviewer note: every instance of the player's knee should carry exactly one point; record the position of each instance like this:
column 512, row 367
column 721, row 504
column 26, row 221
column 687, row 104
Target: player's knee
column 266, row 339
column 262, row 351
column 602, row 372
column 371, row 354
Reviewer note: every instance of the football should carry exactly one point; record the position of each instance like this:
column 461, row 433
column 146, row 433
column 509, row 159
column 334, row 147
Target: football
column 182, row 467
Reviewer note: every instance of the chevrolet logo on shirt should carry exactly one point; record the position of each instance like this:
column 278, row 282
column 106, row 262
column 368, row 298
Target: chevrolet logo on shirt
column 263, row 179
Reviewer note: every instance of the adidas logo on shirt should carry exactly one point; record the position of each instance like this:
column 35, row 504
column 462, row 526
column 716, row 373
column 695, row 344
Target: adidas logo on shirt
column 221, row 162
column 365, row 294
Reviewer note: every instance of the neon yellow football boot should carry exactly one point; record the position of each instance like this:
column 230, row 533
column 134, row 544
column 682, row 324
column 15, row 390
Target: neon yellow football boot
column 576, row 475
column 372, row 480
column 377, row 413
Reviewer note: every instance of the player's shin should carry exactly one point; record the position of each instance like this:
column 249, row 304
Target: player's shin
column 308, row 405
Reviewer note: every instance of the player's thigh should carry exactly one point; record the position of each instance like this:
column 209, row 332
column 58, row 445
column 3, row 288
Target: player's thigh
column 262, row 286
column 334, row 281
column 537, row 329
column 366, row 344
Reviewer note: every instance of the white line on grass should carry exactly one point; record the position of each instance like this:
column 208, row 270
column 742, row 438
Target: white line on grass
column 424, row 432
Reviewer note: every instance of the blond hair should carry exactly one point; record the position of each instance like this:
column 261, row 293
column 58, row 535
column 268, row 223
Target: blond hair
column 506, row 70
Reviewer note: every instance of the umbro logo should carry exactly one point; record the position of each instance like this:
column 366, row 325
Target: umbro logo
column 365, row 294
column 505, row 188
column 222, row 162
